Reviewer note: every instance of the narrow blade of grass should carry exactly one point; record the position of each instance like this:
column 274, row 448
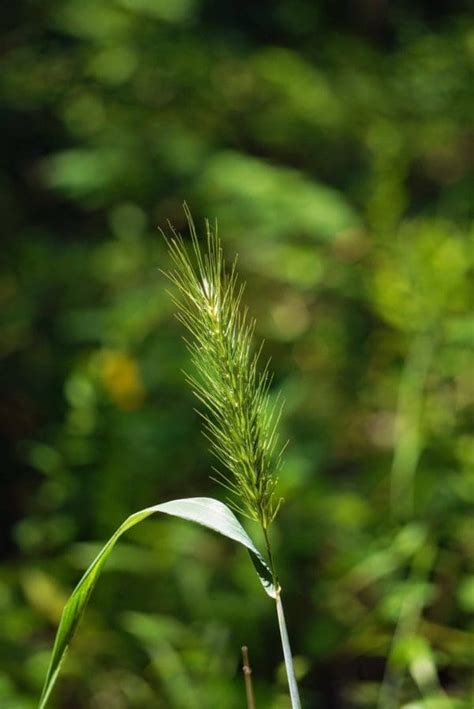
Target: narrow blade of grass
column 202, row 510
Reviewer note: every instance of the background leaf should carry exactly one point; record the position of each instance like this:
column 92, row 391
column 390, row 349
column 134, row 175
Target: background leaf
column 335, row 150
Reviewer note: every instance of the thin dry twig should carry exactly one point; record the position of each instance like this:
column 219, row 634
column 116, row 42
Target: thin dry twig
column 247, row 670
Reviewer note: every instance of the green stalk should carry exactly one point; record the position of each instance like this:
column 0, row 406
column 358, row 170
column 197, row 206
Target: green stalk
column 409, row 443
column 285, row 642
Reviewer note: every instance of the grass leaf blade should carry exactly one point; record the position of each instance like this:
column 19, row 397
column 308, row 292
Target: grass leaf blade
column 204, row 511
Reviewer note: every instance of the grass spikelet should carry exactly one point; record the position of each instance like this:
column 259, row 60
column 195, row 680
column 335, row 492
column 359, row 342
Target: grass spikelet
column 234, row 391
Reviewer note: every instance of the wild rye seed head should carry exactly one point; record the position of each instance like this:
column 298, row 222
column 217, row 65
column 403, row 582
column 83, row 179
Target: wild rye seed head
column 239, row 422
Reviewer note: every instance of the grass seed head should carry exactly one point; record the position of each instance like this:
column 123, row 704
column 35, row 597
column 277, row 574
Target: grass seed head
column 240, row 424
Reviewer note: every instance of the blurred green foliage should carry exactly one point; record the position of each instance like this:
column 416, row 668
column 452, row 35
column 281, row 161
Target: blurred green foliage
column 333, row 143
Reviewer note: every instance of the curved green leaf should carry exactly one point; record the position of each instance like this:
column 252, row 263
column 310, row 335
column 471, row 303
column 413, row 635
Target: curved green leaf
column 203, row 510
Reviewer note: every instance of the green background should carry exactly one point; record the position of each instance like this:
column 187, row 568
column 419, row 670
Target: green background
column 333, row 143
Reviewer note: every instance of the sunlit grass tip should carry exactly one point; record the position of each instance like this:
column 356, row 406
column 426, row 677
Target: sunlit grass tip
column 240, row 422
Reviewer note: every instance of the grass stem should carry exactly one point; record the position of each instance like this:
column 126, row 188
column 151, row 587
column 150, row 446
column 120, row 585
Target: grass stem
column 409, row 444
column 247, row 670
column 285, row 642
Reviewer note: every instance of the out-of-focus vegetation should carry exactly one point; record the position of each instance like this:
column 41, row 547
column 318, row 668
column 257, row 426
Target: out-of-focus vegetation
column 333, row 142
